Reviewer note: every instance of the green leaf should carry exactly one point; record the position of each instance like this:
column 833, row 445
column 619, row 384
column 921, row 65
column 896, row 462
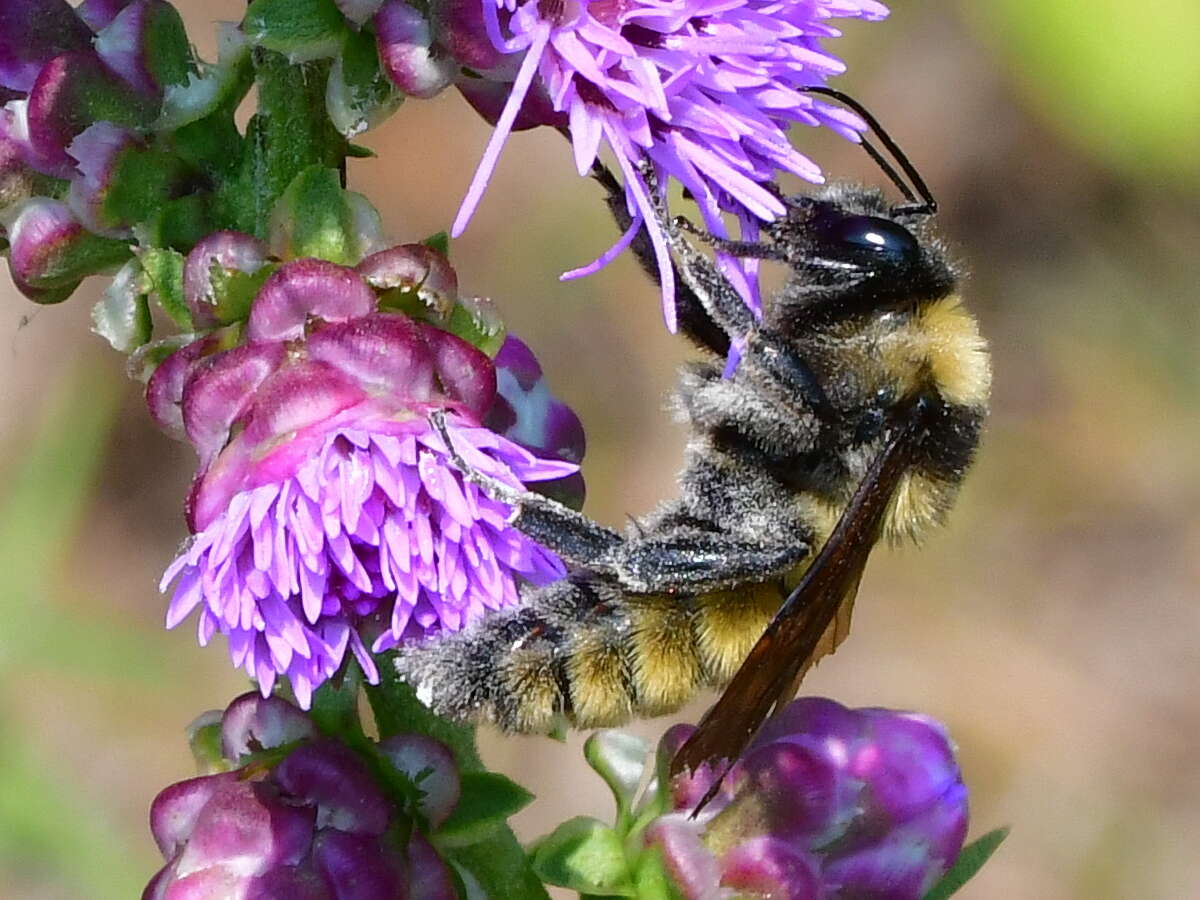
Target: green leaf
column 212, row 144
column 303, row 30
column 359, row 95
column 122, row 315
column 500, row 867
column 164, row 272
column 313, row 218
column 651, row 878
column 439, row 242
column 235, row 290
column 475, row 320
column 585, row 855
column 167, row 53
column 620, row 759
column 968, row 864
column 397, row 710
column 178, row 224
column 219, row 86
column 486, row 802
column 141, row 182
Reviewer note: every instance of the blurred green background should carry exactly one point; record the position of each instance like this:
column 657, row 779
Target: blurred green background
column 1054, row 625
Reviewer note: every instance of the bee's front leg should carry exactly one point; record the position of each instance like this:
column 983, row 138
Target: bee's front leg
column 572, row 535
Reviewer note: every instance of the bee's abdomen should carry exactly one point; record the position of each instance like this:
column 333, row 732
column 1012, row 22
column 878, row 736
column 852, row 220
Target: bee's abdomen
column 579, row 650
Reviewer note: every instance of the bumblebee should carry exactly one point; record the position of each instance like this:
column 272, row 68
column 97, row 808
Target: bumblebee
column 854, row 413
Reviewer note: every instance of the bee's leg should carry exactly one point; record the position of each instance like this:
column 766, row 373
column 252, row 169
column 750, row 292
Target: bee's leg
column 572, row 535
column 693, row 305
column 696, row 561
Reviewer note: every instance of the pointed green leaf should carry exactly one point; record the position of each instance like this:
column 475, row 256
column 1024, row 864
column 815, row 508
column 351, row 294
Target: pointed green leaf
column 313, row 218
column 487, row 800
column 475, row 320
column 439, row 242
column 301, row 29
column 142, row 181
column 499, row 866
column 620, row 759
column 358, row 96
column 585, row 855
column 164, row 273
column 220, row 85
column 122, row 315
column 969, row 862
column 397, row 710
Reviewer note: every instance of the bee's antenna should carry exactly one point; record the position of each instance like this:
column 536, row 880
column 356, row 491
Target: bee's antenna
column 928, row 204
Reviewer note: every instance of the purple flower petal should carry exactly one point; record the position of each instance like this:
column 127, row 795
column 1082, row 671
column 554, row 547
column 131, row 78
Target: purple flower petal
column 770, row 867
column 331, row 777
column 252, row 723
column 219, row 390
column 359, row 867
column 176, row 809
column 71, row 91
column 719, row 82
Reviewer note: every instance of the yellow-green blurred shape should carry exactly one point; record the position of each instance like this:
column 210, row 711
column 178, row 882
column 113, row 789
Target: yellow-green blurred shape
column 1121, row 78
column 45, row 834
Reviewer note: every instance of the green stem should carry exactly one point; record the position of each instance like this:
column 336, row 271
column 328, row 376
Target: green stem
column 290, row 132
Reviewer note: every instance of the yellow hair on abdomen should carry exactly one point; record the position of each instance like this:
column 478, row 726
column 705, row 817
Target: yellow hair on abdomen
column 666, row 666
column 729, row 622
column 599, row 683
column 530, row 677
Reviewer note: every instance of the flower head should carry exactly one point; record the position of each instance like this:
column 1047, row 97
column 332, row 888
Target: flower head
column 826, row 802
column 326, row 513
column 703, row 91
column 313, row 824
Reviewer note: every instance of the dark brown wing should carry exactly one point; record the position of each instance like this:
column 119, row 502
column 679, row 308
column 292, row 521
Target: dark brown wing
column 807, row 623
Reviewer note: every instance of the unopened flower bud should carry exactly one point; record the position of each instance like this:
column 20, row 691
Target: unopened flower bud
column 304, row 819
column 33, row 32
column 406, row 50
column 826, row 802
column 50, row 252
column 146, row 45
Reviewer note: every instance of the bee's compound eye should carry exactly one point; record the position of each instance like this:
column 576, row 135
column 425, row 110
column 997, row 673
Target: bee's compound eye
column 868, row 234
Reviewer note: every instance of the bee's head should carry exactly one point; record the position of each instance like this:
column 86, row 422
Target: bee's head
column 852, row 255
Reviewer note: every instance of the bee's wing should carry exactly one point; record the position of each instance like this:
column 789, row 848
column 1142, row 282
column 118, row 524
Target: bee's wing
column 813, row 619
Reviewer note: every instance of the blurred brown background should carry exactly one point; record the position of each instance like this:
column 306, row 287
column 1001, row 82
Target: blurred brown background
column 1054, row 625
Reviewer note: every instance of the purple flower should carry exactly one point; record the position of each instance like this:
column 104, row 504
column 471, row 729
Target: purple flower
column 702, row 90
column 827, row 802
column 527, row 412
column 313, row 825
column 326, row 514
